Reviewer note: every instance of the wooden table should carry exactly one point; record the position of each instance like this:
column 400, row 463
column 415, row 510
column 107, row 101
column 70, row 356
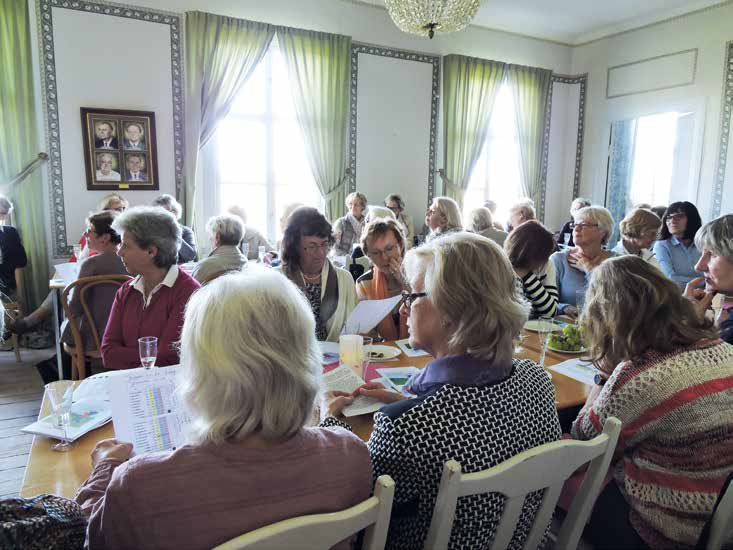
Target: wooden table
column 48, row 471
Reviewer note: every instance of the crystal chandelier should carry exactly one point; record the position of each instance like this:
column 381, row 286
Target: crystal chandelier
column 426, row 17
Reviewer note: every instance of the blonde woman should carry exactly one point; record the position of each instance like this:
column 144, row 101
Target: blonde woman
column 251, row 237
column 671, row 385
column 347, row 230
column 482, row 222
column 473, row 402
column 638, row 232
column 443, row 217
column 521, row 212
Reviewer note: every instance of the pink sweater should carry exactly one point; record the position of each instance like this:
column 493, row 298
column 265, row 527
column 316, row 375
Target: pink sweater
column 200, row 496
column 128, row 321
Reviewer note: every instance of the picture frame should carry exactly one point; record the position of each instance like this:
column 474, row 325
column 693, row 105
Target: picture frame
column 120, row 149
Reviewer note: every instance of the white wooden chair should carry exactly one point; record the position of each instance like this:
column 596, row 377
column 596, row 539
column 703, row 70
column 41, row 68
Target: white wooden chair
column 721, row 527
column 322, row 531
column 543, row 468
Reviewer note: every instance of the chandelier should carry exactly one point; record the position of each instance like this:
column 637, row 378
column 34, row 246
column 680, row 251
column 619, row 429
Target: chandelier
column 426, row 17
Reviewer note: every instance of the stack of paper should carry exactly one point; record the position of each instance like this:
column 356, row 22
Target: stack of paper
column 346, row 380
column 577, row 369
column 85, row 416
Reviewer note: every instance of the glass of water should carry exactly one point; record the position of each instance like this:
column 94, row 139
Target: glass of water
column 60, row 395
column 148, row 346
column 245, row 250
column 261, row 251
column 77, row 251
column 544, row 328
column 580, row 301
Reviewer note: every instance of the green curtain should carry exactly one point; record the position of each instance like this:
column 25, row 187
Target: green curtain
column 531, row 91
column 470, row 86
column 19, row 143
column 319, row 69
column 221, row 53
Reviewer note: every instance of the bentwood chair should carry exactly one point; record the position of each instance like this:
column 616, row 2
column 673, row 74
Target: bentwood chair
column 319, row 531
column 14, row 308
column 544, row 468
column 79, row 355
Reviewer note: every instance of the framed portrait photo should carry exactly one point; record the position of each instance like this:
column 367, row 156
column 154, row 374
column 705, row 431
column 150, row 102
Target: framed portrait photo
column 119, row 149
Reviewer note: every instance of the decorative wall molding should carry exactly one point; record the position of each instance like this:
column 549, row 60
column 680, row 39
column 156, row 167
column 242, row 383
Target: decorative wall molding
column 580, row 80
column 663, row 68
column 434, row 60
column 726, row 119
column 545, row 156
column 44, row 9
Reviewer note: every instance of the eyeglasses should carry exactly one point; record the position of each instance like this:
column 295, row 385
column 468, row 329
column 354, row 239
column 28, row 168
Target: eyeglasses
column 316, row 248
column 410, row 297
column 582, row 226
column 676, row 217
column 89, row 231
column 386, row 252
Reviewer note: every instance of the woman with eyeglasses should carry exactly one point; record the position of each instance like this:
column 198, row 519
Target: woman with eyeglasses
column 592, row 226
column 473, row 403
column 114, row 202
column 638, row 232
column 675, row 249
column 384, row 244
column 329, row 289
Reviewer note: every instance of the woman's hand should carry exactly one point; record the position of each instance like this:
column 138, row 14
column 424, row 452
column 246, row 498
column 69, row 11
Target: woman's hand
column 395, row 269
column 580, row 261
column 378, row 391
column 701, row 299
column 570, row 310
column 334, row 402
column 111, row 449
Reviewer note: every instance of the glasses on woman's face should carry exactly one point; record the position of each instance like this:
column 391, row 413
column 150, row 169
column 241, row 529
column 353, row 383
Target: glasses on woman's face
column 410, row 297
column 582, row 226
column 388, row 250
column 316, row 248
column 676, row 217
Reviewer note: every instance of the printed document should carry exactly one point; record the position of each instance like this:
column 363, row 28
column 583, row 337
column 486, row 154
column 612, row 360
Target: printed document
column 346, row 380
column 368, row 313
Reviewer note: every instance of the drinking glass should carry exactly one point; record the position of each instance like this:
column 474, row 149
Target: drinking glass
column 566, row 238
column 518, row 348
column 148, row 346
column 77, row 252
column 366, row 342
column 351, row 352
column 60, row 395
column 245, row 250
column 261, row 251
column 579, row 301
column 544, row 328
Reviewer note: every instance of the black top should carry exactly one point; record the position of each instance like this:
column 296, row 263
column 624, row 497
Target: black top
column 187, row 252
column 13, row 255
column 566, row 229
column 726, row 330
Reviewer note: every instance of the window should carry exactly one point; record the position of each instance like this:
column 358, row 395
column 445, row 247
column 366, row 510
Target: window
column 261, row 155
column 497, row 174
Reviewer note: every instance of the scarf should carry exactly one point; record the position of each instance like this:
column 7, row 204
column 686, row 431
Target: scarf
column 386, row 326
column 457, row 370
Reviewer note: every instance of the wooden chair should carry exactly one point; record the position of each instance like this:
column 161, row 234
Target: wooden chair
column 320, row 531
column 78, row 354
column 15, row 309
column 543, row 468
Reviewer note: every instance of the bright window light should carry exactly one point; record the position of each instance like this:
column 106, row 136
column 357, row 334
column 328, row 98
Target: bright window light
column 653, row 160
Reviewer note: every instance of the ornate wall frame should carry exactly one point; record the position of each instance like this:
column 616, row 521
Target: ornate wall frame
column 44, row 10
column 580, row 80
column 726, row 119
column 434, row 60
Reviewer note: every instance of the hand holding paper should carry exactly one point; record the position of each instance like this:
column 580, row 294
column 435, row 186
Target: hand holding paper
column 368, row 313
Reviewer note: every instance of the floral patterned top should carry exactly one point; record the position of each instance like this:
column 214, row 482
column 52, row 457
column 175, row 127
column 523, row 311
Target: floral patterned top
column 313, row 293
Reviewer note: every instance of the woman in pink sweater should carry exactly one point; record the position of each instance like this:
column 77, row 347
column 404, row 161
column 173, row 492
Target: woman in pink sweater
column 672, row 388
column 250, row 373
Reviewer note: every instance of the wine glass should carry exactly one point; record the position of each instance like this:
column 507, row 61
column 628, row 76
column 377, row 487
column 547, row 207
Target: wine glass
column 518, row 341
column 148, row 346
column 77, row 252
column 544, row 328
column 579, row 301
column 60, row 395
column 245, row 250
column 367, row 350
column 261, row 251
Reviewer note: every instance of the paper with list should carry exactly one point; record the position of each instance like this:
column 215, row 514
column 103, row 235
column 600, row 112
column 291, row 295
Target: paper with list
column 146, row 410
column 346, row 380
column 577, row 369
column 368, row 313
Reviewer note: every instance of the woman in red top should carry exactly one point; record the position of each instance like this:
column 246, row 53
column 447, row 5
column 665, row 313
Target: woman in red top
column 113, row 202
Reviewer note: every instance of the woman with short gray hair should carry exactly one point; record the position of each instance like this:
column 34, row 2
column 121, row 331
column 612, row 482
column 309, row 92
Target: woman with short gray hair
column 251, row 369
column 151, row 304
column 347, row 229
column 188, row 251
column 225, row 233
column 482, row 222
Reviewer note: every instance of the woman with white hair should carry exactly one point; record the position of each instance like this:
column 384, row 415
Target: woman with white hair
column 225, row 233
column 473, row 403
column 443, row 217
column 250, row 461
column 592, row 227
column 521, row 212
column 347, row 230
column 715, row 242
column 151, row 304
column 482, row 223
column 188, row 251
column 252, row 238
column 638, row 232
column 566, row 233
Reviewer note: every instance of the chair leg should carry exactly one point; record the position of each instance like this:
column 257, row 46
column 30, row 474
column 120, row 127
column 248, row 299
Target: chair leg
column 16, row 348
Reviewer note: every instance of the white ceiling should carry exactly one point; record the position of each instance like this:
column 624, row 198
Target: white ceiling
column 576, row 21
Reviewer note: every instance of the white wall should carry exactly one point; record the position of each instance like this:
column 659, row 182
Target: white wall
column 707, row 32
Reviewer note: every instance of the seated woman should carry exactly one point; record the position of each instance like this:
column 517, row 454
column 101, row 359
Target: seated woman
column 473, row 403
column 151, row 304
column 670, row 381
column 329, row 289
column 675, row 249
column 715, row 241
column 592, row 227
column 225, row 233
column 529, row 247
column 521, row 212
column 638, row 232
column 347, row 230
column 252, row 238
column 188, row 251
column 492, row 206
column 566, row 233
column 395, row 203
column 384, row 244
column 114, row 202
column 11, row 251
column 482, row 223
column 443, row 217
column 250, row 461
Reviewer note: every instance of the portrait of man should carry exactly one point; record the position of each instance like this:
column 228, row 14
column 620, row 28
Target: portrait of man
column 105, row 137
column 106, row 163
column 134, row 137
column 135, row 168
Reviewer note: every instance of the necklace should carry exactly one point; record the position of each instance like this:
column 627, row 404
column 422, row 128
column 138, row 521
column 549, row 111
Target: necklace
column 310, row 278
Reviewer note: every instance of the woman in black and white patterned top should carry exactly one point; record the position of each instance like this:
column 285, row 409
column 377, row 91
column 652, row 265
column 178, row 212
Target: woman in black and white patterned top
column 473, row 403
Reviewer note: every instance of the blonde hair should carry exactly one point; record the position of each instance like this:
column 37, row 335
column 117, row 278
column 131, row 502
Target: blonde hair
column 471, row 283
column 632, row 307
column 638, row 223
column 379, row 227
column 375, row 212
column 229, row 228
column 448, row 208
column 481, row 219
column 240, row 375
column 107, row 200
column 525, row 207
column 598, row 215
column 351, row 197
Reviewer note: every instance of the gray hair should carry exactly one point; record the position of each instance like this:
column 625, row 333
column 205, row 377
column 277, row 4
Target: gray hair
column 229, row 228
column 5, row 204
column 375, row 212
column 717, row 237
column 471, row 283
column 240, row 376
column 481, row 219
column 394, row 197
column 239, row 211
column 597, row 214
column 450, row 211
column 152, row 226
column 525, row 207
column 170, row 203
column 107, row 200
column 581, row 201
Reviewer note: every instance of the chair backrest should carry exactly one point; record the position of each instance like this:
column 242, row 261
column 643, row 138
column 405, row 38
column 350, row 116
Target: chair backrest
column 319, row 531
column 82, row 286
column 544, row 468
column 721, row 524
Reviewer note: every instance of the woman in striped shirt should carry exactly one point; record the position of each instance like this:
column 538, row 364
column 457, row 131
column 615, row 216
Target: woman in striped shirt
column 529, row 247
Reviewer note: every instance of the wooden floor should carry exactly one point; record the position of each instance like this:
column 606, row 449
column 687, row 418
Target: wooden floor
column 21, row 390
